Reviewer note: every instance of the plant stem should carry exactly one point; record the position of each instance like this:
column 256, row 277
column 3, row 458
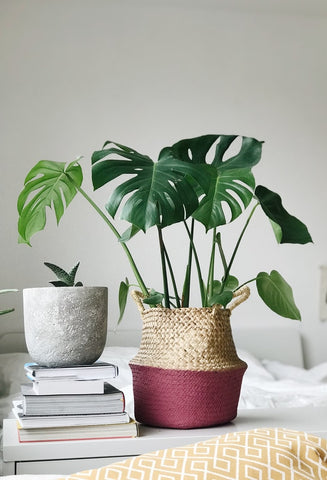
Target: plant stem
column 188, row 272
column 196, row 258
column 163, row 268
column 211, row 265
column 123, row 244
column 172, row 276
column 245, row 283
column 237, row 246
column 221, row 251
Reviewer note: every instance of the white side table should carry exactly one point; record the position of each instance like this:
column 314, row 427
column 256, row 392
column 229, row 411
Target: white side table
column 63, row 458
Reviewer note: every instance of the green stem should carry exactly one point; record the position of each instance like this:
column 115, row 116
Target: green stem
column 172, row 276
column 211, row 265
column 245, row 283
column 196, row 258
column 123, row 244
column 237, row 246
column 164, row 268
column 221, row 252
column 188, row 272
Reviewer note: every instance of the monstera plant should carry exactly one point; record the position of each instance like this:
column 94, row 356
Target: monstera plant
column 201, row 180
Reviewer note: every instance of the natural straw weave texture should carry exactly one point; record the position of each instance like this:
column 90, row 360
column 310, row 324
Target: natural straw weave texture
column 187, row 373
column 198, row 339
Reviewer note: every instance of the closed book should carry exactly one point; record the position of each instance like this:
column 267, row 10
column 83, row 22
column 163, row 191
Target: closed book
column 59, row 386
column 47, row 421
column 87, row 432
column 98, row 370
column 111, row 401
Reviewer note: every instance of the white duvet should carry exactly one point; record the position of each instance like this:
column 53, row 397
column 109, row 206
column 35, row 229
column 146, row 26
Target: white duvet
column 271, row 384
column 266, row 384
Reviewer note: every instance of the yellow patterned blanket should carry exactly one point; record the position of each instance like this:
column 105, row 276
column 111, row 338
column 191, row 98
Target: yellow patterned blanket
column 261, row 454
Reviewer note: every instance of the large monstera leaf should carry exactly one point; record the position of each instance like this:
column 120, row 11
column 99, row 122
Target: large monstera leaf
column 168, row 191
column 48, row 184
column 231, row 180
column 156, row 193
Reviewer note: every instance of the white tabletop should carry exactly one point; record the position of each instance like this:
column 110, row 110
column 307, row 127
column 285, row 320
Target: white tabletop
column 309, row 419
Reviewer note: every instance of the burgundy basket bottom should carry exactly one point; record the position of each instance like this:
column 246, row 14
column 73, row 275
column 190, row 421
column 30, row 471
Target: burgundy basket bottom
column 185, row 399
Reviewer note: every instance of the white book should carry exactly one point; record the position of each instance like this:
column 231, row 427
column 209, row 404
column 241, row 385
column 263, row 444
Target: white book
column 111, row 401
column 60, row 386
column 96, row 371
column 47, row 421
column 84, row 432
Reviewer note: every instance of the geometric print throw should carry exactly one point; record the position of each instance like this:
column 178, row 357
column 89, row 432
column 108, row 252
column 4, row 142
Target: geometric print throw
column 260, row 454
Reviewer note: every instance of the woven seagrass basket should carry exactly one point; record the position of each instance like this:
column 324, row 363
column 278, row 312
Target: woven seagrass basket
column 186, row 373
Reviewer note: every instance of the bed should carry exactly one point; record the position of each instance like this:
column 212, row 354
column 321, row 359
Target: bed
column 275, row 378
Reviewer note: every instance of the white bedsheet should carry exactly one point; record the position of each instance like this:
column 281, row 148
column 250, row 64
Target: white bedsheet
column 271, row 384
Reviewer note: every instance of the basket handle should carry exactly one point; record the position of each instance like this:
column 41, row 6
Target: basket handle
column 240, row 296
column 138, row 297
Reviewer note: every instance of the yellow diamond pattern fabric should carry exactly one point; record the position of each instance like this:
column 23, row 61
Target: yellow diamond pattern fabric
column 261, row 454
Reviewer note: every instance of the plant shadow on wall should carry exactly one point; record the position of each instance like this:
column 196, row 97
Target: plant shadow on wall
column 187, row 373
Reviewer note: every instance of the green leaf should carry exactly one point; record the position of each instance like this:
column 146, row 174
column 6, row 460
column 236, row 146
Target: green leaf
column 277, row 294
column 221, row 299
column 64, row 278
column 157, row 193
column 60, row 283
column 73, row 272
column 7, row 290
column 154, row 298
column 232, row 283
column 129, row 233
column 122, row 298
column 9, row 310
column 48, row 184
column 168, row 191
column 224, row 297
column 231, row 181
column 287, row 228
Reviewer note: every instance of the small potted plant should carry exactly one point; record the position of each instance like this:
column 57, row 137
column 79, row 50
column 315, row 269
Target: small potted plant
column 184, row 186
column 65, row 325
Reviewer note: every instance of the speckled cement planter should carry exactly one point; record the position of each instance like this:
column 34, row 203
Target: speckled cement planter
column 65, row 325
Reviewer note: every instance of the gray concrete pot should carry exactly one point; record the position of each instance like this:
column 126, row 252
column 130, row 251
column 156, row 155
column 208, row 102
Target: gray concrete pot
column 65, row 325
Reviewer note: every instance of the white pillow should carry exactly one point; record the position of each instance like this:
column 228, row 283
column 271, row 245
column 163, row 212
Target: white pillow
column 255, row 367
column 281, row 371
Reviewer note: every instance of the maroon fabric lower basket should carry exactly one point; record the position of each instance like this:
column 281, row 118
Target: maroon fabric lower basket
column 184, row 398
column 187, row 373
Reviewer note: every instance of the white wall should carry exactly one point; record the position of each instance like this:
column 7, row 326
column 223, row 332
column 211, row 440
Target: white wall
column 75, row 73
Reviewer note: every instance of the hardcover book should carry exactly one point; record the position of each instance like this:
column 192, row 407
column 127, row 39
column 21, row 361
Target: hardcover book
column 87, row 432
column 98, row 370
column 111, row 401
column 47, row 421
column 60, row 386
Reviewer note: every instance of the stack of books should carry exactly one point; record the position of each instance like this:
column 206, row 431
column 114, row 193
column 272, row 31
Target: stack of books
column 71, row 403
